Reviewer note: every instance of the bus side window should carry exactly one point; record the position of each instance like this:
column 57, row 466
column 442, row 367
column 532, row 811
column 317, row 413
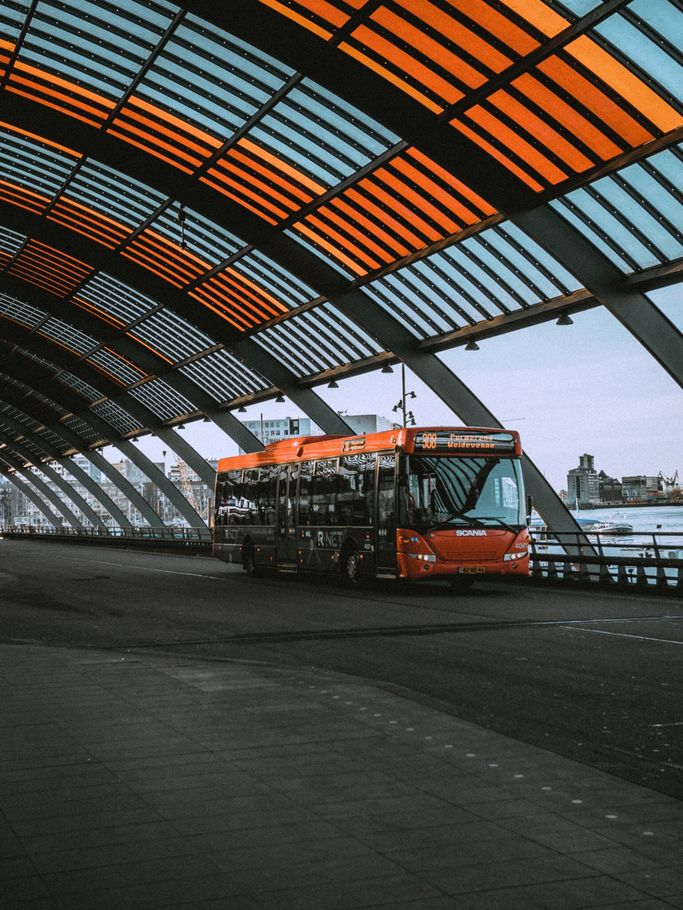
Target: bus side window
column 369, row 487
column 385, row 492
column 354, row 483
column 347, row 489
column 323, row 511
column 250, row 492
column 220, row 505
column 230, row 494
column 269, row 494
column 305, row 475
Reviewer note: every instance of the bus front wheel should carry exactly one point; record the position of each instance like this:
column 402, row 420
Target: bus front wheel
column 351, row 566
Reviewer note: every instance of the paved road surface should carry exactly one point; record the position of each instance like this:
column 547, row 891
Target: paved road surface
column 593, row 676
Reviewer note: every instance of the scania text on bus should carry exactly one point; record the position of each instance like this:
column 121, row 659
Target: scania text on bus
column 410, row 504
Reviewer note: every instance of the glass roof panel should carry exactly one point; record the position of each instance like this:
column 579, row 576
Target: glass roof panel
column 31, row 170
column 49, row 268
column 203, row 86
column 163, row 401
column 497, row 271
column 10, row 244
column 179, row 245
column 236, row 297
column 83, row 429
column 116, row 416
column 656, row 53
column 316, row 340
column 104, row 204
column 263, row 270
column 79, row 385
column 223, row 376
column 20, row 312
column 115, row 367
column 634, row 216
column 403, row 206
column 437, row 53
column 81, row 57
column 580, row 7
column 113, row 301
column 170, row 335
column 67, row 336
column 321, row 134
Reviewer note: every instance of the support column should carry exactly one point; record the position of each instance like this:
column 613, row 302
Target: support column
column 43, row 488
column 157, row 477
column 76, row 472
column 25, row 490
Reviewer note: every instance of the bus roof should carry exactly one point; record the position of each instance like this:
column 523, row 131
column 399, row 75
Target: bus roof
column 437, row 440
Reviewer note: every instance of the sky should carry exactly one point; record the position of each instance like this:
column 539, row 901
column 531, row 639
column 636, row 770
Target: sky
column 589, row 387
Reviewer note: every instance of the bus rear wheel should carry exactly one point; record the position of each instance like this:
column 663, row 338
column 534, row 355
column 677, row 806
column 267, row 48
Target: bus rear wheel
column 350, row 566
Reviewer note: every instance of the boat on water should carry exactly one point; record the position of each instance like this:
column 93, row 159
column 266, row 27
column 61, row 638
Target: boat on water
column 613, row 528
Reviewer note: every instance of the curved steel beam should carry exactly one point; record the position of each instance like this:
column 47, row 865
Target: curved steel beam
column 121, row 483
column 116, row 339
column 126, row 488
column 26, row 491
column 68, row 489
column 50, row 495
column 326, row 418
column 159, row 479
column 71, row 467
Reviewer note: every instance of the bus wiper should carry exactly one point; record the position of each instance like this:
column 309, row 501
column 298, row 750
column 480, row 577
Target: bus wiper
column 499, row 521
column 448, row 522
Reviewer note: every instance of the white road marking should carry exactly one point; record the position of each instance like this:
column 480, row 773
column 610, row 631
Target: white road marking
column 665, row 641
column 127, row 565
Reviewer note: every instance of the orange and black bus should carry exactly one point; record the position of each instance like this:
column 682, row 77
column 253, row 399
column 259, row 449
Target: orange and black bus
column 418, row 503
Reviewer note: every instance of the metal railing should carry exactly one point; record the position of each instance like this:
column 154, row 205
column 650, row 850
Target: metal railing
column 167, row 537
column 642, row 560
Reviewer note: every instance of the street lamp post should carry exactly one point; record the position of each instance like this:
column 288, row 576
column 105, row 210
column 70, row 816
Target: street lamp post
column 408, row 416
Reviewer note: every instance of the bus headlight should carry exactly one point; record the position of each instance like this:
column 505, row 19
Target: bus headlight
column 424, row 557
column 520, row 555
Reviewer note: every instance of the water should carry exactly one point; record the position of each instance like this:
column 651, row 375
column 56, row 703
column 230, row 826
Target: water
column 660, row 524
column 645, row 518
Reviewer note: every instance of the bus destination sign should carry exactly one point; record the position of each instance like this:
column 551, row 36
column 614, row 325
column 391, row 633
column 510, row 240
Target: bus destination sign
column 461, row 440
column 354, row 445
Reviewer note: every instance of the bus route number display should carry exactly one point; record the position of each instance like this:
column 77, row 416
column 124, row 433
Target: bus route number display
column 452, row 442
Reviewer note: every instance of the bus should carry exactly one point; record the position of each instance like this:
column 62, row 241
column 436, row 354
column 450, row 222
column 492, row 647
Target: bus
column 411, row 504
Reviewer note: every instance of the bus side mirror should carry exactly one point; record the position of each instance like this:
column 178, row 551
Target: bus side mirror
column 529, row 508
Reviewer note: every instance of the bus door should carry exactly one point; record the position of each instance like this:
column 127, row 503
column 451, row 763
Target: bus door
column 285, row 527
column 385, row 546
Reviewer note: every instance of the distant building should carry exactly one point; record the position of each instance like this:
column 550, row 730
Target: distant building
column 583, row 485
column 268, row 431
column 640, row 488
column 274, row 430
column 609, row 488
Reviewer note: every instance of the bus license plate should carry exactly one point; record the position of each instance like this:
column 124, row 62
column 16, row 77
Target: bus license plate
column 472, row 570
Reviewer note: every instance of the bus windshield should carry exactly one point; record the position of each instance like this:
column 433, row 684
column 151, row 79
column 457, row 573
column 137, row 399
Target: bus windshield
column 447, row 490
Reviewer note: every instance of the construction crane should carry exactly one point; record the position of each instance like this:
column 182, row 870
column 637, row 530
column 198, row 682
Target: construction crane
column 668, row 483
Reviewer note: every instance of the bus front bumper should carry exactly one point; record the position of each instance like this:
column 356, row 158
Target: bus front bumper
column 416, row 567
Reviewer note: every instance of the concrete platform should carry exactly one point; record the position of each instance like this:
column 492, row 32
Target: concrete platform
column 142, row 779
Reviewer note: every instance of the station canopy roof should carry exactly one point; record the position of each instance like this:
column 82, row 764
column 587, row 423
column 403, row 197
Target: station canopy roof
column 190, row 192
